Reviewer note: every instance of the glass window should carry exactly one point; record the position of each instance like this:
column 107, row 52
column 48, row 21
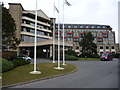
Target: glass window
column 24, row 29
column 75, row 26
column 98, row 26
column 69, row 26
column 87, row 27
column 70, row 35
column 75, row 34
column 107, row 47
column 101, row 47
column 92, row 26
column 81, row 26
column 113, row 47
column 32, row 31
column 76, row 39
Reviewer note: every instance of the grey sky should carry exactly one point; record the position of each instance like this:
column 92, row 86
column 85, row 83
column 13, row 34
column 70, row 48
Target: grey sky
column 81, row 12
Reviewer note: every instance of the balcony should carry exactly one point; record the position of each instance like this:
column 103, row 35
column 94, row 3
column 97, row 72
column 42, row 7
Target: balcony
column 30, row 19
column 33, row 27
column 31, row 34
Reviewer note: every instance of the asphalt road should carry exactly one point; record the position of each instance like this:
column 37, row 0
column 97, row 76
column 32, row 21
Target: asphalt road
column 91, row 74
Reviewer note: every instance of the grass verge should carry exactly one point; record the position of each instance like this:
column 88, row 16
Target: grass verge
column 88, row 59
column 22, row 73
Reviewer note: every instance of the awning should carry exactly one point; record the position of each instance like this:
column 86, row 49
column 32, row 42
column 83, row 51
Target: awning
column 76, row 37
column 104, row 33
column 81, row 32
column 69, row 32
column 99, row 37
column 64, row 37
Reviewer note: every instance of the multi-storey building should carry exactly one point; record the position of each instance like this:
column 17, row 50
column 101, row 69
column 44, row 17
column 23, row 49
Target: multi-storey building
column 25, row 24
column 103, row 35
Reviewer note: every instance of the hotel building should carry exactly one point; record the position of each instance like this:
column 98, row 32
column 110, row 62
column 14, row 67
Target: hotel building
column 25, row 24
column 103, row 35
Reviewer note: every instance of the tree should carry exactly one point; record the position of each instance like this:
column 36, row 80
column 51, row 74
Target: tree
column 89, row 48
column 9, row 38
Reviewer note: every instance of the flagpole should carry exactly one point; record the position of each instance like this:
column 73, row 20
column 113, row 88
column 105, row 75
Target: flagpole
column 54, row 32
column 59, row 68
column 63, row 37
column 35, row 72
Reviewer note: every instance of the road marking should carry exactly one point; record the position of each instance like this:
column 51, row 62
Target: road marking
column 0, row 77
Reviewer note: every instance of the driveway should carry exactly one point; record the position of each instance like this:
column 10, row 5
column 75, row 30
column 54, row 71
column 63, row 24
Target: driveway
column 91, row 74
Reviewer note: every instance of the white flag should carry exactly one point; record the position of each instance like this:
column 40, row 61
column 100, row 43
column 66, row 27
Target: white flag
column 67, row 3
column 56, row 9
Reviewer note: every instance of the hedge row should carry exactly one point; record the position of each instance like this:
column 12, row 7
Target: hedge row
column 67, row 57
column 8, row 65
column 20, row 62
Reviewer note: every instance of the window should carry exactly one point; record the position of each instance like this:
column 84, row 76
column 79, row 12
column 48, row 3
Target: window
column 81, row 26
column 94, row 35
column 87, row 27
column 32, row 31
column 76, row 43
column 69, row 26
column 99, row 39
column 77, row 47
column 75, row 34
column 92, row 26
column 98, row 26
column 75, row 26
column 76, row 39
column 69, row 39
column 24, row 29
column 101, row 47
column 107, row 47
column 70, row 35
column 103, row 27
column 105, row 35
column 113, row 47
column 99, row 34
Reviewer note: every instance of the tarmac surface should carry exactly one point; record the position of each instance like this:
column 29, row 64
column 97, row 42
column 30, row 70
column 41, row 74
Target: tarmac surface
column 91, row 74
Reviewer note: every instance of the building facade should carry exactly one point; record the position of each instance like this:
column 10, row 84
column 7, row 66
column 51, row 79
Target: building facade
column 103, row 35
column 25, row 24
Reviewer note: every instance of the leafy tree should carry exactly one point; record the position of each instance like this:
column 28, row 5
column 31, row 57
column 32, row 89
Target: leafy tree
column 9, row 38
column 89, row 48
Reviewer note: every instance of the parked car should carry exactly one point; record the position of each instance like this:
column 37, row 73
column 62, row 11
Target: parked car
column 24, row 57
column 106, row 56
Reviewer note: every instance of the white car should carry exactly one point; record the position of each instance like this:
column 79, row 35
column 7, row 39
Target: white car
column 24, row 57
column 27, row 58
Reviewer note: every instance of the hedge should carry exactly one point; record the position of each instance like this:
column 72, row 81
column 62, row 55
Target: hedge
column 20, row 62
column 6, row 65
column 67, row 57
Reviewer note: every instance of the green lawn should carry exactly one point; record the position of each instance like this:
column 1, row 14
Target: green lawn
column 22, row 73
column 88, row 59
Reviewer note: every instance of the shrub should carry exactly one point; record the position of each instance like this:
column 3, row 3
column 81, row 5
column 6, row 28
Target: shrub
column 20, row 62
column 117, row 55
column 67, row 57
column 71, row 52
column 6, row 65
column 88, row 55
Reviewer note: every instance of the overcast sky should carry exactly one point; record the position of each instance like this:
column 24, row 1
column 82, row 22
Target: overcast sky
column 104, row 12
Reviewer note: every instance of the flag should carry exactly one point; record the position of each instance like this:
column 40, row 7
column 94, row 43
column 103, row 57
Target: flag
column 67, row 3
column 56, row 9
